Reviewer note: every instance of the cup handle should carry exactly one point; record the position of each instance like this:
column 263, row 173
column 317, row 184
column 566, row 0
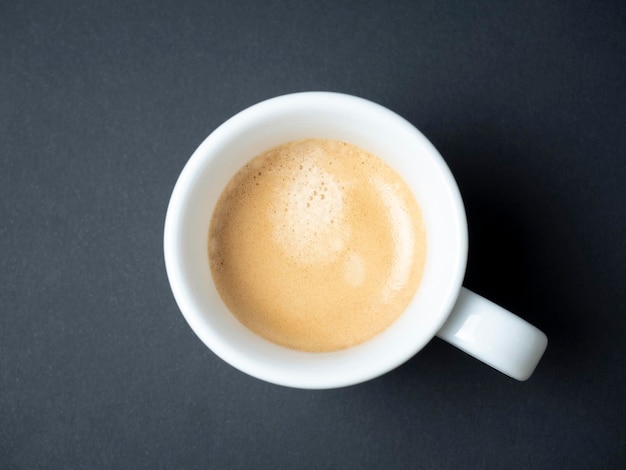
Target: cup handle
column 494, row 335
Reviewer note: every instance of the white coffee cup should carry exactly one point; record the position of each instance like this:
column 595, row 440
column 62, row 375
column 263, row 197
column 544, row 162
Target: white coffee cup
column 441, row 307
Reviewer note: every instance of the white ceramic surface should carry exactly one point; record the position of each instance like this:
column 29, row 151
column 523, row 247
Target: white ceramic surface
column 384, row 133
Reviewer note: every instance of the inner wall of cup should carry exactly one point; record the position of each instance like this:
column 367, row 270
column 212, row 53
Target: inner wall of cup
column 380, row 132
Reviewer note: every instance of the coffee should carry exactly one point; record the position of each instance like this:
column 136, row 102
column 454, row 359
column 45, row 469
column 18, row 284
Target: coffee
column 317, row 245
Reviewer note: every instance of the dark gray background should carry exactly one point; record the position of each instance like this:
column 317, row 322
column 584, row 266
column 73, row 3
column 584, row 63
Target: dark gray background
column 101, row 105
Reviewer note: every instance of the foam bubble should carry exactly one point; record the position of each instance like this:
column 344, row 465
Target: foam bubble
column 307, row 232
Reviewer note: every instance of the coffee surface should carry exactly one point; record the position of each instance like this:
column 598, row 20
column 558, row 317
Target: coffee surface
column 316, row 245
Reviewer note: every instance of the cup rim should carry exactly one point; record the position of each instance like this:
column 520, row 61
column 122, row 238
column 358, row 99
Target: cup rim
column 184, row 297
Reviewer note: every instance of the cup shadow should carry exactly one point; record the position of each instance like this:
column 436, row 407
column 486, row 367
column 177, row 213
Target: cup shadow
column 519, row 244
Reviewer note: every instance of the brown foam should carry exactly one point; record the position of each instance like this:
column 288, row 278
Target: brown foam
column 316, row 245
